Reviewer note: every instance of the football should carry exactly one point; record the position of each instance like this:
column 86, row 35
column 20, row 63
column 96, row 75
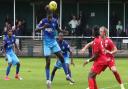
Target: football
column 53, row 6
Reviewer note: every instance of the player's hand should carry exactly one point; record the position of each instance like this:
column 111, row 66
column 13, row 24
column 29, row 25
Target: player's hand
column 19, row 52
column 72, row 63
column 85, row 63
column 107, row 51
column 82, row 51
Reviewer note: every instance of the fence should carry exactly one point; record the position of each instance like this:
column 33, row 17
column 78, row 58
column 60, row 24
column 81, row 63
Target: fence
column 32, row 46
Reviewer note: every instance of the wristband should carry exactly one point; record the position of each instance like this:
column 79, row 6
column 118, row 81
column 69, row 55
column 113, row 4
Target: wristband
column 88, row 60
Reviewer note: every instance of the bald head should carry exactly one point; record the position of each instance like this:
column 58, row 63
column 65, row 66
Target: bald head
column 103, row 31
column 60, row 36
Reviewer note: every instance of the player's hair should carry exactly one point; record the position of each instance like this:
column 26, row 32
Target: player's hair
column 105, row 29
column 95, row 31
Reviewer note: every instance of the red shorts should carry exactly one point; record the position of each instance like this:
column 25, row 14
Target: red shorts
column 98, row 68
column 111, row 63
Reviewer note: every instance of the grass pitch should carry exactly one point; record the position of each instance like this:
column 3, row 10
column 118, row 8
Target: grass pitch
column 33, row 73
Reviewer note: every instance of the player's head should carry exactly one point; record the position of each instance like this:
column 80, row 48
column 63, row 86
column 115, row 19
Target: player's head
column 103, row 31
column 49, row 16
column 95, row 31
column 9, row 32
column 60, row 37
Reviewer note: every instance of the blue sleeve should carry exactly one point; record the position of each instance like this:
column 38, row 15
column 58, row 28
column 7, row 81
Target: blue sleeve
column 41, row 23
column 4, row 42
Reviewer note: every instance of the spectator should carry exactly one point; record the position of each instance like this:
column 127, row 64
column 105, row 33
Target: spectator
column 7, row 19
column 79, row 29
column 119, row 28
column 73, row 25
column 6, row 26
column 19, row 28
column 87, row 31
column 113, row 22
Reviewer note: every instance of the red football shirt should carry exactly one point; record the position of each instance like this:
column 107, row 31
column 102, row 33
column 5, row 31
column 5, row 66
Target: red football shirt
column 98, row 47
column 109, row 45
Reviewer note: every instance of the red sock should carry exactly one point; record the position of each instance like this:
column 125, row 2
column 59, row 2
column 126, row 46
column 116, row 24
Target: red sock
column 95, row 84
column 92, row 82
column 117, row 76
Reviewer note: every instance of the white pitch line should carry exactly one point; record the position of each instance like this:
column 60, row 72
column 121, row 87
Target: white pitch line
column 113, row 86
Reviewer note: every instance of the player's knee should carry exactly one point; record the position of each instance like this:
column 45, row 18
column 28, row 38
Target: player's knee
column 10, row 64
column 113, row 69
column 91, row 75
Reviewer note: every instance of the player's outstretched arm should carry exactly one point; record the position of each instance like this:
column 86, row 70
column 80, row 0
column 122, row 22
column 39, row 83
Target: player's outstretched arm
column 17, row 48
column 86, row 47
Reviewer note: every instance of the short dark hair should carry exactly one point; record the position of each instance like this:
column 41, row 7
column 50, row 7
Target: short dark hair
column 95, row 31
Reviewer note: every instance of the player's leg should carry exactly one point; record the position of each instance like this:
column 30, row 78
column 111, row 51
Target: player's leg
column 96, row 69
column 16, row 61
column 8, row 67
column 47, row 53
column 69, row 70
column 67, row 61
column 53, row 73
column 58, row 65
column 56, row 49
column 113, row 68
column 47, row 71
column 61, row 58
column 117, row 76
column 92, row 81
column 17, row 71
column 47, row 67
column 8, row 71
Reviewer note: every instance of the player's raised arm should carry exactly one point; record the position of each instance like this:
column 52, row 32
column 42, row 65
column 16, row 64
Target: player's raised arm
column 4, row 45
column 16, row 46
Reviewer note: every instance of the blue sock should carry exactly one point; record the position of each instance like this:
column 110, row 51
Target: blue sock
column 52, row 77
column 69, row 72
column 8, row 70
column 17, row 69
column 65, row 68
column 47, row 73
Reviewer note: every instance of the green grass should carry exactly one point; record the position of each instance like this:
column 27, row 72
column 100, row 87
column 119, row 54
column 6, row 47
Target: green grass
column 32, row 71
